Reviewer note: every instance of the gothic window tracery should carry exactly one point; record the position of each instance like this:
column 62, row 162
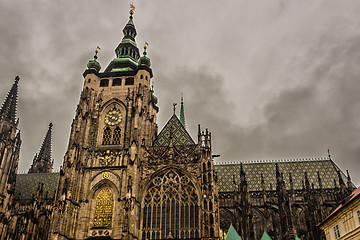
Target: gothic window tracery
column 103, row 208
column 171, row 208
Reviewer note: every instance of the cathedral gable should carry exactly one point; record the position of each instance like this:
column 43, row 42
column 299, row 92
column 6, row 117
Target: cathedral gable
column 174, row 130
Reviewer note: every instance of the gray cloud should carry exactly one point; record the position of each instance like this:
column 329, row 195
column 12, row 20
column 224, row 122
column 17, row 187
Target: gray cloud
column 270, row 79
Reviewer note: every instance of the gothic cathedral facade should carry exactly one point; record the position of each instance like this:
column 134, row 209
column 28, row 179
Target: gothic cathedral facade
column 122, row 180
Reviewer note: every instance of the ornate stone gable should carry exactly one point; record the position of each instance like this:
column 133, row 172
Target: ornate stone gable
column 173, row 130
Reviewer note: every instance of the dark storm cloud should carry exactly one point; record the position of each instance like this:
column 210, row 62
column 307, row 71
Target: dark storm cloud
column 270, row 79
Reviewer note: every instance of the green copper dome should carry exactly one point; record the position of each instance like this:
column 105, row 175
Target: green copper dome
column 144, row 61
column 154, row 98
column 93, row 64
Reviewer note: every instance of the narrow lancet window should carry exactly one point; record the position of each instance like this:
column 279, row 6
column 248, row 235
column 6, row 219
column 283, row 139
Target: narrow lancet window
column 107, row 136
column 116, row 136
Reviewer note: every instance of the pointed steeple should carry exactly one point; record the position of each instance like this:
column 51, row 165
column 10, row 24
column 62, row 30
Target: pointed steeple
column 127, row 52
column 42, row 162
column 182, row 112
column 8, row 109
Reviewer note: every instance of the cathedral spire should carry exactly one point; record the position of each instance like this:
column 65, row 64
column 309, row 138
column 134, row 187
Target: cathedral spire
column 42, row 162
column 8, row 109
column 127, row 52
column 182, row 112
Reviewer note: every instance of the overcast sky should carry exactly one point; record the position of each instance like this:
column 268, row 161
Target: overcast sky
column 270, row 79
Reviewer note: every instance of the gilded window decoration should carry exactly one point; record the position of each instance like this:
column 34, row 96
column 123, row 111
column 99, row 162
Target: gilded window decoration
column 103, row 208
column 107, row 136
column 116, row 136
column 171, row 208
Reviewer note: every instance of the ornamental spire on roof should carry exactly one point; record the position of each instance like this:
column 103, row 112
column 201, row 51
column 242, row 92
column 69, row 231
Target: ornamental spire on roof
column 42, row 162
column 127, row 52
column 8, row 109
column 182, row 112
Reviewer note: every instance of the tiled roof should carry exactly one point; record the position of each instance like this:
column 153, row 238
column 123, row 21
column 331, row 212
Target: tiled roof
column 174, row 128
column 253, row 170
column 27, row 184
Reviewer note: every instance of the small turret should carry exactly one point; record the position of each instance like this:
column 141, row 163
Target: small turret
column 144, row 60
column 94, row 64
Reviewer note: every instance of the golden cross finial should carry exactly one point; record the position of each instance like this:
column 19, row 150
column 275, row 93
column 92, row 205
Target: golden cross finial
column 145, row 46
column 132, row 8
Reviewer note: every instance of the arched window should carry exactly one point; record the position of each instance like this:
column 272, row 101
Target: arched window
column 116, row 136
column 171, row 208
column 107, row 136
column 103, row 208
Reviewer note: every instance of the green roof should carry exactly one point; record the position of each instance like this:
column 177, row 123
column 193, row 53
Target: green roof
column 297, row 238
column 265, row 236
column 297, row 168
column 232, row 234
column 175, row 129
column 27, row 184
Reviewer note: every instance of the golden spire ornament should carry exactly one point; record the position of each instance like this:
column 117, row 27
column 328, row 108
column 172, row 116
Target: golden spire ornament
column 132, row 8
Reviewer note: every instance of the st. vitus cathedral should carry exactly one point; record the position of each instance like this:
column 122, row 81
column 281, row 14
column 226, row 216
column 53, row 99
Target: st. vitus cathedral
column 121, row 179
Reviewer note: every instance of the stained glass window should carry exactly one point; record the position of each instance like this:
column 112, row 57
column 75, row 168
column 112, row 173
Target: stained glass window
column 116, row 136
column 171, row 208
column 107, row 136
column 103, row 208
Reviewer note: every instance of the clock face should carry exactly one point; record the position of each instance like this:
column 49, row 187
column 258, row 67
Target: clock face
column 113, row 117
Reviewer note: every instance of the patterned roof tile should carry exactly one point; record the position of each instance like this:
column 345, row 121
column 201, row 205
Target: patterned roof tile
column 27, row 184
column 175, row 129
column 253, row 170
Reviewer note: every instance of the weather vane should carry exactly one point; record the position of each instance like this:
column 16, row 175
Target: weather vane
column 132, row 8
column 96, row 51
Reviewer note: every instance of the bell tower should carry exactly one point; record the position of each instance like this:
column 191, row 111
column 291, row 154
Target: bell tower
column 97, row 194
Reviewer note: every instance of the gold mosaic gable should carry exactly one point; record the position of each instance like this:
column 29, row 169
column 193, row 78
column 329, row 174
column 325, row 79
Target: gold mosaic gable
column 175, row 129
column 326, row 168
